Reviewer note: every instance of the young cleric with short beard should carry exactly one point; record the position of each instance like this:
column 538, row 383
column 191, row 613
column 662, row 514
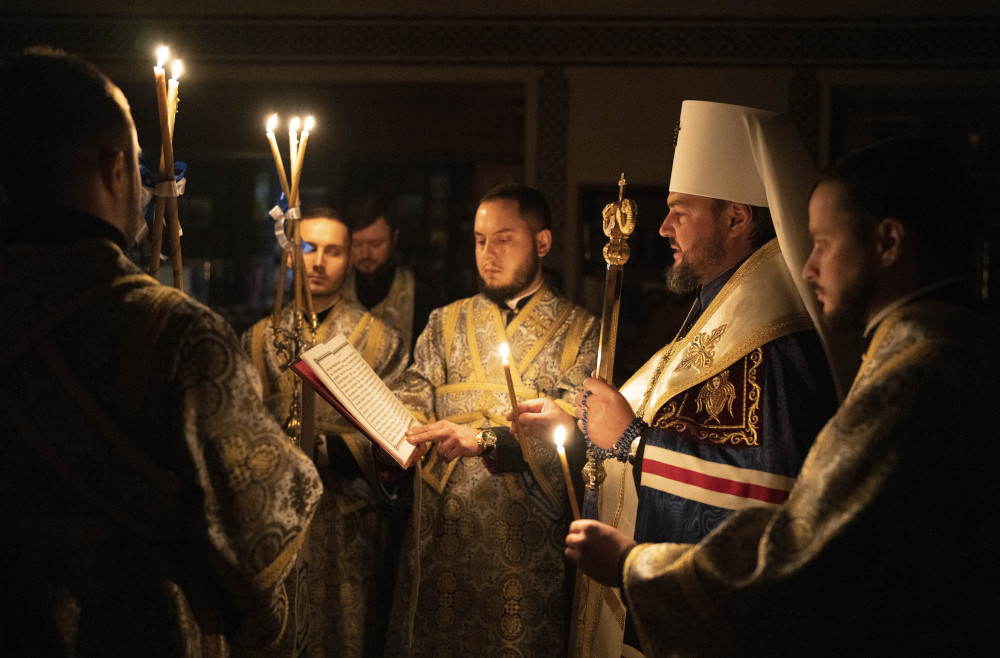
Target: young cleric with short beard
column 483, row 568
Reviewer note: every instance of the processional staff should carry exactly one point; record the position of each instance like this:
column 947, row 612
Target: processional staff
column 619, row 222
column 288, row 232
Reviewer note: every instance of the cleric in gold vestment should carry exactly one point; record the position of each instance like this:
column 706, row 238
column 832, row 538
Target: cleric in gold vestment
column 887, row 542
column 343, row 580
column 482, row 571
column 729, row 408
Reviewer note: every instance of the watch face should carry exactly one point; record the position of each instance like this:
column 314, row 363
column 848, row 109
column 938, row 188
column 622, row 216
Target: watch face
column 487, row 439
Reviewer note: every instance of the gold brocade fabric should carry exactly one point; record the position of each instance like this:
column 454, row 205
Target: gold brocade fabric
column 150, row 504
column 338, row 594
column 885, row 545
column 758, row 304
column 396, row 309
column 491, row 567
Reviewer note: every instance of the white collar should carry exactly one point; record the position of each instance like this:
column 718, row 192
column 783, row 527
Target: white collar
column 512, row 303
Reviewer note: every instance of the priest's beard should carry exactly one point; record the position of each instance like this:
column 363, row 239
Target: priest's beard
column 855, row 298
column 687, row 276
column 523, row 276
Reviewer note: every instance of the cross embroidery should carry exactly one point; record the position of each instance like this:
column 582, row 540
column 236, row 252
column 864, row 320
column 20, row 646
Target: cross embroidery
column 701, row 352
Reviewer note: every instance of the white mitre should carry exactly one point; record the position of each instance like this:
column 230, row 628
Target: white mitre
column 754, row 156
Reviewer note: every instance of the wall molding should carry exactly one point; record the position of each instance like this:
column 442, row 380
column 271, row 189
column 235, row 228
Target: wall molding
column 797, row 43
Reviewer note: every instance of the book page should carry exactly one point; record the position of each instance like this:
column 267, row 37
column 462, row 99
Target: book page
column 362, row 394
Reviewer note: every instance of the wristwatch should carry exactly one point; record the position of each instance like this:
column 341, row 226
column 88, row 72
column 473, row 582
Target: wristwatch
column 487, row 440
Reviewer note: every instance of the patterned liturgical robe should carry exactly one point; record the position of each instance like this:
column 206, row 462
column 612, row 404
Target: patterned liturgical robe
column 885, row 545
column 733, row 406
column 396, row 308
column 150, row 504
column 344, row 577
column 482, row 571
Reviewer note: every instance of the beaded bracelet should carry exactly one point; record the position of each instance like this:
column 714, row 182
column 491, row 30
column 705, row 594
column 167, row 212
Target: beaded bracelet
column 620, row 450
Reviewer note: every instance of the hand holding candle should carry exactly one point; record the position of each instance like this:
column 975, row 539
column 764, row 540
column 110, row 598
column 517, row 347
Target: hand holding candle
column 505, row 356
column 559, row 437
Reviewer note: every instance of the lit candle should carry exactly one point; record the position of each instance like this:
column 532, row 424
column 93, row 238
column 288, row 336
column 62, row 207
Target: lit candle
column 504, row 355
column 166, row 156
column 559, row 437
column 175, row 73
column 162, row 53
column 300, row 156
column 293, row 153
column 271, row 124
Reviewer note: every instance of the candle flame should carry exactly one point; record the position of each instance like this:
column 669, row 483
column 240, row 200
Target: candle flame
column 162, row 55
column 310, row 122
column 504, row 352
column 272, row 122
column 559, row 436
column 176, row 69
column 294, row 125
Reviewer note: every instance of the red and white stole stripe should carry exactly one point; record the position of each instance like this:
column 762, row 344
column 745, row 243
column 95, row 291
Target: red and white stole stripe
column 721, row 485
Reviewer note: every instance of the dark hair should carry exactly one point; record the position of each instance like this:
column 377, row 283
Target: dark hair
column 58, row 114
column 920, row 183
column 322, row 212
column 762, row 224
column 531, row 205
column 316, row 212
column 365, row 211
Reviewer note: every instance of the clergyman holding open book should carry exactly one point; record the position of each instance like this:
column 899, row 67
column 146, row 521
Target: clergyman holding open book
column 482, row 560
column 341, row 587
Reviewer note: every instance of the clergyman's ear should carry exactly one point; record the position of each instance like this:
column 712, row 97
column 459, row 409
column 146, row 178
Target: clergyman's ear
column 543, row 242
column 889, row 235
column 740, row 218
column 111, row 165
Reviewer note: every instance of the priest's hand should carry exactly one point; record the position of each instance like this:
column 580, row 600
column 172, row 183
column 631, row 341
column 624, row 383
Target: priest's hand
column 452, row 440
column 608, row 412
column 599, row 550
column 539, row 417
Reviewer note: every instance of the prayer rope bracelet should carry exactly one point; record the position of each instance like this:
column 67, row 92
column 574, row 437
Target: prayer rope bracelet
column 620, row 450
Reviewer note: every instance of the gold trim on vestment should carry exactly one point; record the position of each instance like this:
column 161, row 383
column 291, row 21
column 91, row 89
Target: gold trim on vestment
column 396, row 308
column 449, row 322
column 554, row 495
column 488, row 315
column 613, row 599
column 605, row 595
column 366, row 336
column 723, row 396
column 758, row 304
column 470, row 331
column 574, row 337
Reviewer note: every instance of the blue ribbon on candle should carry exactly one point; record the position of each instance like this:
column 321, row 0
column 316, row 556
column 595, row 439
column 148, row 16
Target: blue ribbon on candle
column 149, row 182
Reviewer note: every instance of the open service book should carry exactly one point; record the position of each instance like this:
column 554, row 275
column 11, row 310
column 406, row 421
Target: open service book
column 343, row 378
